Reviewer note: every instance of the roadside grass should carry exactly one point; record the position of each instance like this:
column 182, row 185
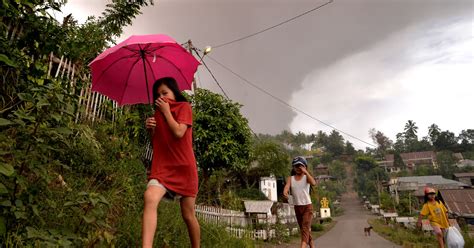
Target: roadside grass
column 410, row 238
column 403, row 236
column 294, row 240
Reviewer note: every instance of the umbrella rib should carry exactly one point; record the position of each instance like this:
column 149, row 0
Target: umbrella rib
column 128, row 77
column 151, row 68
column 154, row 49
column 177, row 68
column 111, row 64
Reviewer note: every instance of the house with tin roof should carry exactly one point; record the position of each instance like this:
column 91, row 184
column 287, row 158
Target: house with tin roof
column 410, row 159
column 460, row 202
column 416, row 185
column 467, row 178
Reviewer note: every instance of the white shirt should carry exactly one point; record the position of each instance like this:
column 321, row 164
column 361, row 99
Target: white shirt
column 300, row 191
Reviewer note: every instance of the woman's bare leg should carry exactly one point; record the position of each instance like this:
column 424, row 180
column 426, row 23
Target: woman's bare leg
column 304, row 244
column 152, row 197
column 189, row 217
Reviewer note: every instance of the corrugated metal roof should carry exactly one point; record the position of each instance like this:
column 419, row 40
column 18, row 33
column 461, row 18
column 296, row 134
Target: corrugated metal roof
column 459, row 201
column 434, row 180
column 412, row 156
column 468, row 174
column 465, row 163
column 259, row 207
column 320, row 177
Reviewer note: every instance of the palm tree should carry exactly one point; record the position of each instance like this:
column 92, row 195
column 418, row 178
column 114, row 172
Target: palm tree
column 411, row 129
column 433, row 132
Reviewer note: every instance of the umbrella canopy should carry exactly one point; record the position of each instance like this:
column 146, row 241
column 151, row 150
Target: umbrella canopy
column 127, row 71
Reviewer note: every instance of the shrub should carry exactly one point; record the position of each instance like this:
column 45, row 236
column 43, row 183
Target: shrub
column 328, row 220
column 251, row 194
column 317, row 227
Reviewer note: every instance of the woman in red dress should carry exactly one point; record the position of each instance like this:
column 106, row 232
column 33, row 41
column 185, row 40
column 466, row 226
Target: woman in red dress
column 173, row 169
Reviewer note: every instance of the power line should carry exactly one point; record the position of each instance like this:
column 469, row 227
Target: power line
column 285, row 103
column 217, row 82
column 210, row 72
column 274, row 26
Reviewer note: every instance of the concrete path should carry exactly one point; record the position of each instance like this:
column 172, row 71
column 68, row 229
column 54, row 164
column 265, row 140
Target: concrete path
column 349, row 230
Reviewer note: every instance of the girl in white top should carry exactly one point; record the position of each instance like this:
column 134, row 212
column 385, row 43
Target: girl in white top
column 299, row 183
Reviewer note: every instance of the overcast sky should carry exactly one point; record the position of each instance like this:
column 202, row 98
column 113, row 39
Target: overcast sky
column 355, row 64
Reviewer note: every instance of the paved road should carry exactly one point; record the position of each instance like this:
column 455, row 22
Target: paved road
column 349, row 230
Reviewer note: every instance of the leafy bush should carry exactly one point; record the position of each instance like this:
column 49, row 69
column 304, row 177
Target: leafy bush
column 328, row 220
column 251, row 194
column 230, row 200
column 317, row 227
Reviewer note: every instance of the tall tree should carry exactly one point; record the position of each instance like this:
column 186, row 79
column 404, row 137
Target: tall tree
column 446, row 164
column 286, row 137
column 411, row 137
column 399, row 145
column 411, row 130
column 446, row 141
column 222, row 135
column 335, row 144
column 433, row 132
column 270, row 158
column 321, row 140
column 365, row 163
column 383, row 142
column 300, row 139
column 349, row 149
column 398, row 161
column 466, row 137
column 338, row 170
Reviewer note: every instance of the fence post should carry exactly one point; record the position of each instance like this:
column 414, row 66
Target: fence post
column 59, row 66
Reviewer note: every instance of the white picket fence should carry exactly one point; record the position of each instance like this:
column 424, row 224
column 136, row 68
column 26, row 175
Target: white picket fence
column 92, row 106
column 220, row 216
column 238, row 224
column 257, row 234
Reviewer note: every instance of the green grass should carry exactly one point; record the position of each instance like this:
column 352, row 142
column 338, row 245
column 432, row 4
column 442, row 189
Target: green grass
column 103, row 167
column 403, row 236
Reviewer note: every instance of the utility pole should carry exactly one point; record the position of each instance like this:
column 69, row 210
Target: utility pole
column 190, row 49
column 409, row 200
column 378, row 190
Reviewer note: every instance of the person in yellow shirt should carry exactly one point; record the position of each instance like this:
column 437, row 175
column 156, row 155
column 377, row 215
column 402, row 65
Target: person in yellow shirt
column 437, row 213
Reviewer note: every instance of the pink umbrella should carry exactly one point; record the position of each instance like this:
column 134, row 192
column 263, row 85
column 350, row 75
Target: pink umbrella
column 127, row 71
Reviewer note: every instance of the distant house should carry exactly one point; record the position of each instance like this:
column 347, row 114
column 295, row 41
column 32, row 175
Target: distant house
column 460, row 202
column 411, row 160
column 467, row 178
column 458, row 156
column 465, row 163
column 268, row 186
column 324, row 178
column 416, row 185
column 321, row 169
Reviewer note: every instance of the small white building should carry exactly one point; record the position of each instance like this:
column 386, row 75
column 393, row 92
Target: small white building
column 268, row 186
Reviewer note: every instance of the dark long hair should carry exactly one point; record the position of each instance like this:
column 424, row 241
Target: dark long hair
column 438, row 198
column 170, row 83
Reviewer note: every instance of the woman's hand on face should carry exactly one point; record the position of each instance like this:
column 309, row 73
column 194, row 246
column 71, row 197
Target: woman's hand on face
column 150, row 123
column 163, row 105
